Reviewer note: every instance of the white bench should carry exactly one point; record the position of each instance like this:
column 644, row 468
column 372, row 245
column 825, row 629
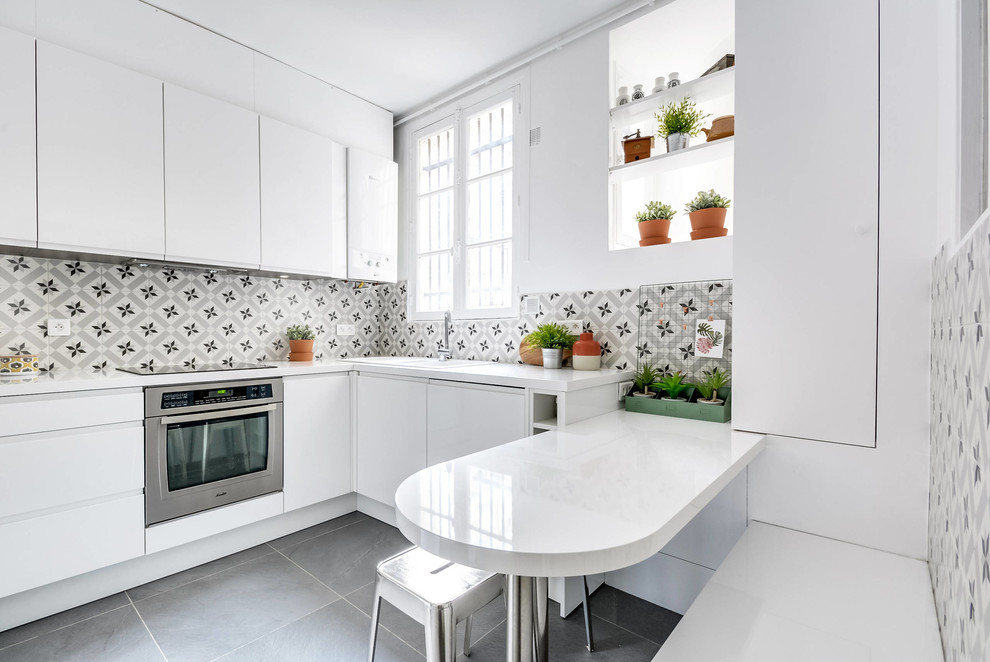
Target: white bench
column 787, row 596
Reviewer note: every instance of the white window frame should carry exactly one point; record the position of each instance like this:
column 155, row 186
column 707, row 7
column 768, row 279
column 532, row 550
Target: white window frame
column 456, row 114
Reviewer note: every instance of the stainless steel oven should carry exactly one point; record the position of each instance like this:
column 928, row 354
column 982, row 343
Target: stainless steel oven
column 209, row 445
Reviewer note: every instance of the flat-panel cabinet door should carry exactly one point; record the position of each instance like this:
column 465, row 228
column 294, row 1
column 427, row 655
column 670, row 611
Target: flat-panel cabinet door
column 391, row 434
column 18, row 181
column 299, row 229
column 100, row 173
column 372, row 217
column 467, row 418
column 807, row 214
column 212, row 199
column 317, row 435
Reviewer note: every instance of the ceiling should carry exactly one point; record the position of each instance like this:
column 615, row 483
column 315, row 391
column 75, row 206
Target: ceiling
column 397, row 54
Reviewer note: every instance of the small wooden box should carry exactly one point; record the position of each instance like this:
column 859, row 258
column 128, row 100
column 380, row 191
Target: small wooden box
column 637, row 148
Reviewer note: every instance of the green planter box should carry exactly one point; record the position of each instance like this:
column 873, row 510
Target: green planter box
column 693, row 410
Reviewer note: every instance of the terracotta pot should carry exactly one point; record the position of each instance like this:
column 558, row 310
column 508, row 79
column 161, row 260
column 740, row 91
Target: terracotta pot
column 534, row 355
column 708, row 218
column 654, row 241
column 709, row 233
column 658, row 227
column 300, row 350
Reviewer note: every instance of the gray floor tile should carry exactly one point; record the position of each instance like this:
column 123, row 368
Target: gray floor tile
column 214, row 615
column 180, row 578
column 634, row 614
column 318, row 530
column 338, row 632
column 62, row 619
column 414, row 634
column 346, row 559
column 116, row 636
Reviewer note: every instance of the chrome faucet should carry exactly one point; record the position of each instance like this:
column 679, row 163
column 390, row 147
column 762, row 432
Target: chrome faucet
column 443, row 353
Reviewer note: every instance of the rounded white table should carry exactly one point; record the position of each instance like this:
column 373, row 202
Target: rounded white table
column 599, row 495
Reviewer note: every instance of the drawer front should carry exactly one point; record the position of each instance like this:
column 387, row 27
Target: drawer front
column 54, row 469
column 41, row 550
column 27, row 414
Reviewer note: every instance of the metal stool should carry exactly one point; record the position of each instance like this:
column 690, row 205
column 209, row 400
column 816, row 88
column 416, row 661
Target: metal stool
column 436, row 593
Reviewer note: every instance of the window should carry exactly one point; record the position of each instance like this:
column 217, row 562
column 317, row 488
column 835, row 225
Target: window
column 464, row 213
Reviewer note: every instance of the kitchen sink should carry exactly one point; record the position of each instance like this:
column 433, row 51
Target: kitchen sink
column 420, row 362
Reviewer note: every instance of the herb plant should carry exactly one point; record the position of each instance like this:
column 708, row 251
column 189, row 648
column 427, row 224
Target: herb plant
column 714, row 379
column 682, row 117
column 551, row 336
column 645, row 378
column 655, row 210
column 300, row 332
column 707, row 200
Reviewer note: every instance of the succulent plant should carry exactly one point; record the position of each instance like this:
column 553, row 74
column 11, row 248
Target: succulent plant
column 300, row 332
column 655, row 210
column 707, row 200
column 645, row 378
column 551, row 336
column 714, row 379
column 673, row 385
column 682, row 117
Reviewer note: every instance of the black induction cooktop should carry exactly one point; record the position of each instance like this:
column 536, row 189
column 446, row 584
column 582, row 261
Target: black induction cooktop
column 192, row 366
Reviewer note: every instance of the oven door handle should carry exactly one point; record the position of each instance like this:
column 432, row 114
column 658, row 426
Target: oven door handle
column 217, row 414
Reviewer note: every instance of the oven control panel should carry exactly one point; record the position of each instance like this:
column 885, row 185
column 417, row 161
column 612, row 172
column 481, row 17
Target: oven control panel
column 216, row 395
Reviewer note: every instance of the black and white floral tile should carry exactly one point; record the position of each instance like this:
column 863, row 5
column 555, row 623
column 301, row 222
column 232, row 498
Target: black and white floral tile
column 668, row 317
column 125, row 315
column 959, row 496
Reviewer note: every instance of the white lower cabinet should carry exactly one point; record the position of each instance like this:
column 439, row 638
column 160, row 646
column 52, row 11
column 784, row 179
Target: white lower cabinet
column 317, row 431
column 467, row 418
column 71, row 501
column 391, row 433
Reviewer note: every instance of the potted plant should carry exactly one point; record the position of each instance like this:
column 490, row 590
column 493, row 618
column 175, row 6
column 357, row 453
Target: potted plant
column 673, row 385
column 708, row 387
column 301, row 339
column 654, row 223
column 644, row 379
column 553, row 339
column 678, row 122
column 707, row 213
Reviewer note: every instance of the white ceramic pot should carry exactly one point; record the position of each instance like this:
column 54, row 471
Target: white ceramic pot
column 579, row 362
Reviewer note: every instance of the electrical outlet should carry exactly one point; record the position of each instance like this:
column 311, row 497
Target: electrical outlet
column 624, row 387
column 58, row 327
column 345, row 329
column 574, row 327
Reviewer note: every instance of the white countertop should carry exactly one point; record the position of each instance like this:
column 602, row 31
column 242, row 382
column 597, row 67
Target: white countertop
column 499, row 374
column 598, row 495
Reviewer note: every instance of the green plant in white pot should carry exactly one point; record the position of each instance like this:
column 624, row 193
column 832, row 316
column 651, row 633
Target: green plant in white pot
column 678, row 122
column 708, row 387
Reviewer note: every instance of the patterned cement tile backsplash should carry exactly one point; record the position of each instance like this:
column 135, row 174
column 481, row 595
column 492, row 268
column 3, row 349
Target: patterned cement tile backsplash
column 959, row 494
column 126, row 315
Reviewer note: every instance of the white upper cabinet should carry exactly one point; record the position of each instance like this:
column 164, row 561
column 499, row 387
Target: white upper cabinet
column 18, row 195
column 99, row 152
column 807, row 212
column 372, row 217
column 303, row 231
column 212, row 198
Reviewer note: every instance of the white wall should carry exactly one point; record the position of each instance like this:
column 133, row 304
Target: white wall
column 879, row 497
column 567, row 247
column 139, row 37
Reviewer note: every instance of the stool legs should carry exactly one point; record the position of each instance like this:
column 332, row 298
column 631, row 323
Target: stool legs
column 587, row 618
column 440, row 635
column 467, row 636
column 375, row 614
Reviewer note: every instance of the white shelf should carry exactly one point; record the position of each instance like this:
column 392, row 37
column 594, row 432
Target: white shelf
column 546, row 424
column 682, row 158
column 701, row 90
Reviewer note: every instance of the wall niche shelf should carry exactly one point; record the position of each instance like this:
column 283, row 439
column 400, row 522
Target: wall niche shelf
column 701, row 90
column 682, row 158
